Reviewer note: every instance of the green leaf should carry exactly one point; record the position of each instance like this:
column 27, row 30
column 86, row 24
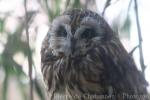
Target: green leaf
column 57, row 7
column 126, row 27
column 5, row 87
column 2, row 22
column 76, row 4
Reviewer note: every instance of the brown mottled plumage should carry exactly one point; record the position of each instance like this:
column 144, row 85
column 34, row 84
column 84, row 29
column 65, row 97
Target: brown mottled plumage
column 83, row 59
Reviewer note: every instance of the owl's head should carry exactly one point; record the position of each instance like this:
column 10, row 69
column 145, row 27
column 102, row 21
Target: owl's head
column 75, row 32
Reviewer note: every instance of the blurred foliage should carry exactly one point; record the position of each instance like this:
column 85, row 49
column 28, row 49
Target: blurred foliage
column 126, row 27
column 55, row 9
column 2, row 21
column 13, row 45
column 76, row 4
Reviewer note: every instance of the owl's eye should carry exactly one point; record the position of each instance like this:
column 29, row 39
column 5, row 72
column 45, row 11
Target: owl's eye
column 61, row 32
column 88, row 33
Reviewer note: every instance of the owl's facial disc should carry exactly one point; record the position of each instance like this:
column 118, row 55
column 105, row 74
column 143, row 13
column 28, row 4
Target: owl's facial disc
column 64, row 42
column 59, row 36
column 84, row 37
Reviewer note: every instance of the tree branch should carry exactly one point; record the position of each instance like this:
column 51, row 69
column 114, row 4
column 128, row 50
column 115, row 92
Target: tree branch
column 106, row 5
column 140, row 38
column 29, row 50
column 67, row 4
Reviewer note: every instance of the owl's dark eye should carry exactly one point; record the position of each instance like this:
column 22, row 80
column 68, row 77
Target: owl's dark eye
column 61, row 32
column 88, row 33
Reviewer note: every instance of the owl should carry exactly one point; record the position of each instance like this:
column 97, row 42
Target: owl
column 83, row 59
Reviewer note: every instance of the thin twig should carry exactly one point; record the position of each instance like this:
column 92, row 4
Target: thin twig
column 132, row 51
column 67, row 4
column 29, row 50
column 106, row 5
column 140, row 38
column 129, row 6
column 50, row 14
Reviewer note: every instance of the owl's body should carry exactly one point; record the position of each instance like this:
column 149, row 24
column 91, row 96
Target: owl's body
column 83, row 59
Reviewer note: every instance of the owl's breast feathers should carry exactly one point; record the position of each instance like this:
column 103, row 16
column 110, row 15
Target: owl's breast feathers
column 106, row 71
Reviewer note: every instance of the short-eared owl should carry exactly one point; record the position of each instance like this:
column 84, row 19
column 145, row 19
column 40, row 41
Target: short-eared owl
column 83, row 59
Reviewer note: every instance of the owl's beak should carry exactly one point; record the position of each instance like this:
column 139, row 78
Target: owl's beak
column 73, row 45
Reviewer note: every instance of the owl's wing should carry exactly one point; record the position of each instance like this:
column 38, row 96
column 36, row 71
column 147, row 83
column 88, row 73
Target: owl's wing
column 120, row 70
